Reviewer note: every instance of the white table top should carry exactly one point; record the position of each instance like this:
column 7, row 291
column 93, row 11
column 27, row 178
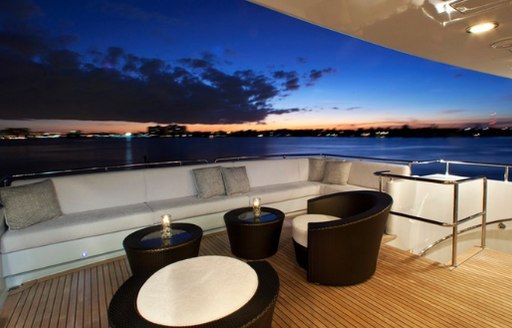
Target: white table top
column 196, row 290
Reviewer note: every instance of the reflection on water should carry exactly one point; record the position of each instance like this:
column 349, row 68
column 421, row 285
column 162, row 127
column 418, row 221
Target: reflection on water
column 18, row 156
column 128, row 151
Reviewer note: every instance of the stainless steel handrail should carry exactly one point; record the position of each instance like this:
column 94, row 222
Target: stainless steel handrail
column 376, row 159
column 455, row 213
column 437, row 242
column 94, row 169
column 449, row 163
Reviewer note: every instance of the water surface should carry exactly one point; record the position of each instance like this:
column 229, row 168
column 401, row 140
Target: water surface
column 36, row 155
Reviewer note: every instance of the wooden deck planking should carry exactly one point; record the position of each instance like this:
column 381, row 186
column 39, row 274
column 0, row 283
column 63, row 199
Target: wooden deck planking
column 406, row 291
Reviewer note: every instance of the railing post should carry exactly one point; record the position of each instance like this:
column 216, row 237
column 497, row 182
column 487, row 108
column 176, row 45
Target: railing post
column 455, row 223
column 483, row 241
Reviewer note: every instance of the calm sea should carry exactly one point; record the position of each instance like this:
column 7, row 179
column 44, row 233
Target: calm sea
column 37, row 155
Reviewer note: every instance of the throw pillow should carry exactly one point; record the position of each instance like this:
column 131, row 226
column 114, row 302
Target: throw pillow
column 316, row 169
column 29, row 204
column 209, row 182
column 336, row 172
column 235, row 180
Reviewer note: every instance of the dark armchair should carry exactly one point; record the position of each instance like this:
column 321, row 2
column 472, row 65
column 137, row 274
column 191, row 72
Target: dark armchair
column 344, row 252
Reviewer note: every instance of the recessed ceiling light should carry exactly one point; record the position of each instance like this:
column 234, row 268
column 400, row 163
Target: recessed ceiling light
column 482, row 27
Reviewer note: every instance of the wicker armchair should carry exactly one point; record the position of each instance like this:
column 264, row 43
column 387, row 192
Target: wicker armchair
column 344, row 252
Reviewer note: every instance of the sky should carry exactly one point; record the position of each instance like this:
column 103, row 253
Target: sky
column 121, row 66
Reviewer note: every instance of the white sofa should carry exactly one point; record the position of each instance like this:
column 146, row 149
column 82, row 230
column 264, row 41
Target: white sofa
column 101, row 209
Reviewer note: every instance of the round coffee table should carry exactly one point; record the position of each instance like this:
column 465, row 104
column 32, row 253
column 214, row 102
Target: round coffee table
column 147, row 252
column 253, row 238
column 256, row 312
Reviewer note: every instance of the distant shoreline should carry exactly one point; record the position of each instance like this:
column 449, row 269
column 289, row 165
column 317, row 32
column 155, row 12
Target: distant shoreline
column 404, row 132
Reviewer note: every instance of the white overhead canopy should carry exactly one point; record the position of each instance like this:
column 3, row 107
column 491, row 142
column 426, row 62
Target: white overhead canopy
column 432, row 29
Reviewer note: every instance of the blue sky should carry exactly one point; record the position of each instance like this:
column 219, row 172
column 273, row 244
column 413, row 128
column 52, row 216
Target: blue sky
column 210, row 64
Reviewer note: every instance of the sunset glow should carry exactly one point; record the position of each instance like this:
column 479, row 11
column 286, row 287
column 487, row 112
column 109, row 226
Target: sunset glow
column 122, row 67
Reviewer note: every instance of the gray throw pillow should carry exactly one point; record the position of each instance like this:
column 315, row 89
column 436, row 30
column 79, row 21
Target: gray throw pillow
column 30, row 204
column 209, row 182
column 336, row 172
column 235, row 180
column 316, row 169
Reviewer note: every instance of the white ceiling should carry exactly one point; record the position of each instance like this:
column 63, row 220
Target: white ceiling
column 432, row 29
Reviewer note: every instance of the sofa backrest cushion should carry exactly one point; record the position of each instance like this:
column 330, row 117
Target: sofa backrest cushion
column 169, row 182
column 362, row 172
column 274, row 171
column 85, row 192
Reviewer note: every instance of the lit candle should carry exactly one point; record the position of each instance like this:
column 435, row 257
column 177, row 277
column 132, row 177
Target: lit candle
column 256, row 206
column 166, row 226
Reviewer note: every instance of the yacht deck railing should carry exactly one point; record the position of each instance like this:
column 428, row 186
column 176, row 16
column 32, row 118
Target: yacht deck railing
column 425, row 250
column 455, row 204
column 6, row 180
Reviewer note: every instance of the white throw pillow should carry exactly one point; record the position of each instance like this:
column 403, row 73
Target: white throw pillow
column 235, row 180
column 209, row 182
column 29, row 204
column 337, row 172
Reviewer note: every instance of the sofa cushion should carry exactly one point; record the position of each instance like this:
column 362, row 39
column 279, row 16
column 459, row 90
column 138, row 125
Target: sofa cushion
column 300, row 226
column 30, row 204
column 209, row 182
column 78, row 225
column 332, row 188
column 191, row 206
column 235, row 180
column 362, row 173
column 84, row 192
column 170, row 182
column 274, row 171
column 285, row 191
column 337, row 172
column 316, row 169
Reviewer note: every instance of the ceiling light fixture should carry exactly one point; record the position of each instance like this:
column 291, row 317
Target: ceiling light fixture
column 482, row 27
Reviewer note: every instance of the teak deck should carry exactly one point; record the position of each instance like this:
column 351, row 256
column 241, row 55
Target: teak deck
column 406, row 291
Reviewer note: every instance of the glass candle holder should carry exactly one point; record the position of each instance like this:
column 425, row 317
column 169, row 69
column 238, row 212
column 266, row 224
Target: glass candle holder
column 166, row 227
column 256, row 207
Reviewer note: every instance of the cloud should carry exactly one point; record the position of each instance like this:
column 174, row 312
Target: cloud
column 287, row 111
column 452, row 111
column 353, row 108
column 18, row 11
column 291, row 79
column 127, row 11
column 302, row 60
column 41, row 78
column 315, row 75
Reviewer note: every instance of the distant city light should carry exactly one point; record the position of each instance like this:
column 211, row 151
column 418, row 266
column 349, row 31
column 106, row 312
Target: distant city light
column 128, row 134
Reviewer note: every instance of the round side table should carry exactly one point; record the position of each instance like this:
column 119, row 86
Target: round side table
column 254, row 238
column 147, row 252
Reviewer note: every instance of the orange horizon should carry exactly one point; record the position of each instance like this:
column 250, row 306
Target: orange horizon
column 63, row 126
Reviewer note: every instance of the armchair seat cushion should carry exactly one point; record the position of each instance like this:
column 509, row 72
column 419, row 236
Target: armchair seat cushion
column 300, row 226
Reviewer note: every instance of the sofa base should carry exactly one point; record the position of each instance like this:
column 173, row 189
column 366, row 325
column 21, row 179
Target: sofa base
column 30, row 264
